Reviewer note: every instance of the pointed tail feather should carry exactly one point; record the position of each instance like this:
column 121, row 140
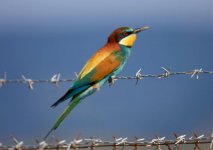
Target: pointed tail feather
column 64, row 114
column 66, row 96
column 70, row 93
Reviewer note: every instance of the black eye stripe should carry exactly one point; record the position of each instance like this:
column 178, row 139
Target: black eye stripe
column 125, row 33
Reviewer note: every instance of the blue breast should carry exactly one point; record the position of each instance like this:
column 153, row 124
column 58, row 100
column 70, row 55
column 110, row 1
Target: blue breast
column 125, row 53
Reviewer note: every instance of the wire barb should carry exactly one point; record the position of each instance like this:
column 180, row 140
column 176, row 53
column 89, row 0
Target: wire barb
column 42, row 145
column 29, row 82
column 166, row 74
column 18, row 145
column 211, row 141
column 76, row 74
column 3, row 80
column 196, row 72
column 55, row 79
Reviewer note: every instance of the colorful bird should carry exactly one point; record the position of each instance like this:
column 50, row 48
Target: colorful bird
column 107, row 62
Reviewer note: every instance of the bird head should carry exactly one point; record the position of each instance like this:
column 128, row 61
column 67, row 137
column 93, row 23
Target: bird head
column 125, row 36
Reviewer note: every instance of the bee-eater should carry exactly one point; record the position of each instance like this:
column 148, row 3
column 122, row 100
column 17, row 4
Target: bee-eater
column 107, row 62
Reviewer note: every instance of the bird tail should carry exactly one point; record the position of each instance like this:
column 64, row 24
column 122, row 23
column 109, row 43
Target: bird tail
column 75, row 101
column 64, row 114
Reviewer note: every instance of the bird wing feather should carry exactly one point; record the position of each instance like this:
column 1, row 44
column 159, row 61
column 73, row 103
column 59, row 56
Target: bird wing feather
column 99, row 66
column 99, row 56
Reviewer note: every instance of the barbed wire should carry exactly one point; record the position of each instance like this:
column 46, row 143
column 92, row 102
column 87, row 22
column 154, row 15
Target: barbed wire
column 93, row 143
column 56, row 78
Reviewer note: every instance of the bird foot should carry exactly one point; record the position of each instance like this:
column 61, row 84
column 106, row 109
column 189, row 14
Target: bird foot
column 112, row 80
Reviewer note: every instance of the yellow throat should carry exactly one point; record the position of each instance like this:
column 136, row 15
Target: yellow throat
column 129, row 40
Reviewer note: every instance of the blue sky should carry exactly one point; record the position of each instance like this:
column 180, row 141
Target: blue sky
column 41, row 38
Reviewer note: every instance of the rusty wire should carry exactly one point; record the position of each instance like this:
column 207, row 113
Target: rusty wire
column 116, row 143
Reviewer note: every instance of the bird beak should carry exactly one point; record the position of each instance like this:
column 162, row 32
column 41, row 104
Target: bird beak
column 141, row 29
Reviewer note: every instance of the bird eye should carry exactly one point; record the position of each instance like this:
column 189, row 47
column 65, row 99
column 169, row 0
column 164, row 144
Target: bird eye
column 125, row 33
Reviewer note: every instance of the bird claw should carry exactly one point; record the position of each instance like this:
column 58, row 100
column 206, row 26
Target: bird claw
column 112, row 80
column 138, row 75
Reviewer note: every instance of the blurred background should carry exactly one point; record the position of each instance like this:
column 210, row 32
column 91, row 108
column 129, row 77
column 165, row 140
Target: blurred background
column 41, row 38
